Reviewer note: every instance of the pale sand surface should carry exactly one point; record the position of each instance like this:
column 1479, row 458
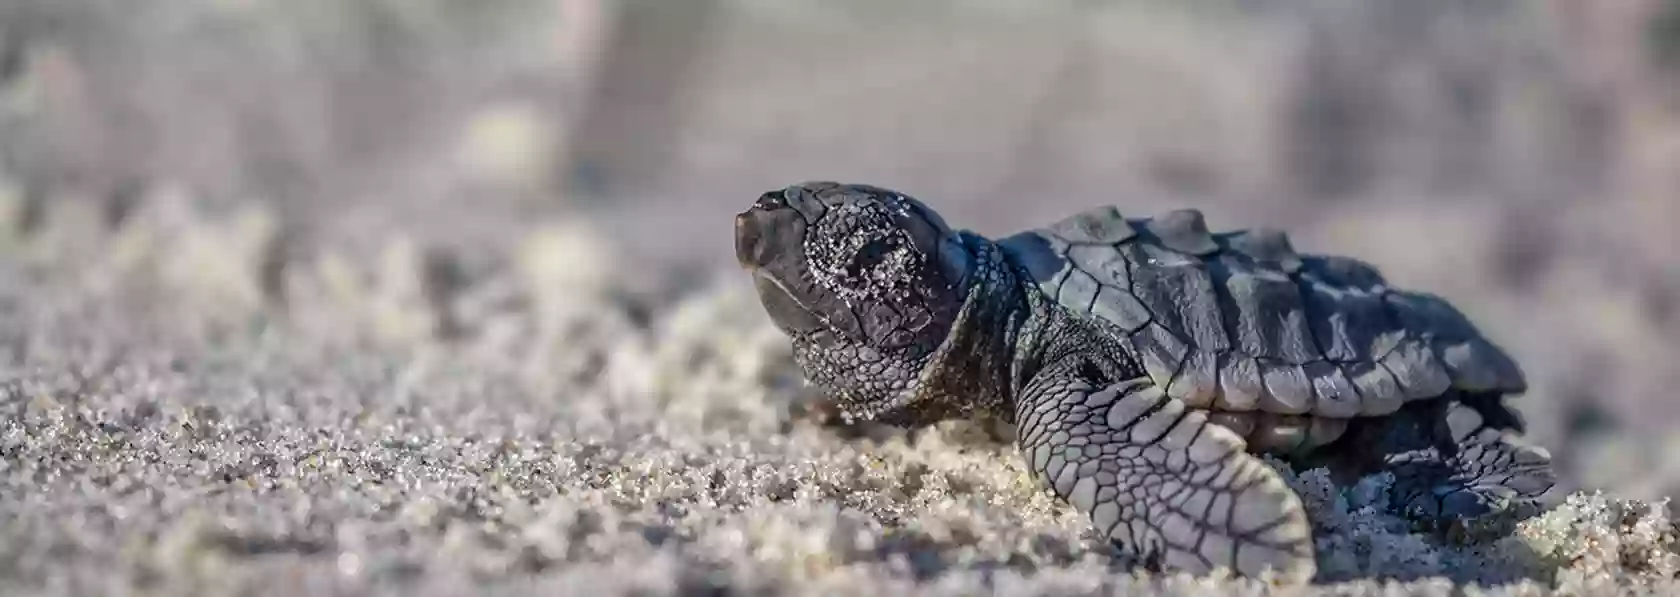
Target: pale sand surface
column 180, row 416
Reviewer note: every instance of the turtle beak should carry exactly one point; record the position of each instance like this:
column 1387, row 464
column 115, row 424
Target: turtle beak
column 769, row 243
column 749, row 241
column 766, row 230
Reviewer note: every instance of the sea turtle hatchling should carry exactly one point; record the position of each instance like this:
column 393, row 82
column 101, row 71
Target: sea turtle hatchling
column 1145, row 362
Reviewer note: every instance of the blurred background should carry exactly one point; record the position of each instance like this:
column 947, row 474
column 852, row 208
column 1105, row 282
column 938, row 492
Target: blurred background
column 1521, row 158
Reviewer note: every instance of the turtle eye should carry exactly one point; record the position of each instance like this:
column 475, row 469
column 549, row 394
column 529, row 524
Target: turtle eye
column 871, row 255
column 771, row 200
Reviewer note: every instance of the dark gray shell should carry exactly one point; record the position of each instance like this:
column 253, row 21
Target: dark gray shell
column 1238, row 321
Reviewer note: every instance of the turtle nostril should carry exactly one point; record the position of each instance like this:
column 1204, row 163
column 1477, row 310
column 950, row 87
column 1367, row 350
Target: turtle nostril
column 772, row 200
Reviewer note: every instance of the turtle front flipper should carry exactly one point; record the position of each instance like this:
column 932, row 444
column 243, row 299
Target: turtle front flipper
column 1163, row 484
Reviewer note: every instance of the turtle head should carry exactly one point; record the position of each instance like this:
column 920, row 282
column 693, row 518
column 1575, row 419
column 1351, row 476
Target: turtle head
column 866, row 281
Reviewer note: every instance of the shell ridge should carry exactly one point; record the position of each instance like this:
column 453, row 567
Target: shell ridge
column 1315, row 315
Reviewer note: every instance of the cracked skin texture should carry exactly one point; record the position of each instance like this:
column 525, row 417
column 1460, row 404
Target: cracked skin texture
column 1146, row 363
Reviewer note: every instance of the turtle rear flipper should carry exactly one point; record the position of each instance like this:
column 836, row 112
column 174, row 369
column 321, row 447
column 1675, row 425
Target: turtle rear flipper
column 1459, row 466
column 1487, row 481
column 1167, row 487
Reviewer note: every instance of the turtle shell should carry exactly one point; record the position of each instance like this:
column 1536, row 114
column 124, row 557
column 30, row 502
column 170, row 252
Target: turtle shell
column 1238, row 321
